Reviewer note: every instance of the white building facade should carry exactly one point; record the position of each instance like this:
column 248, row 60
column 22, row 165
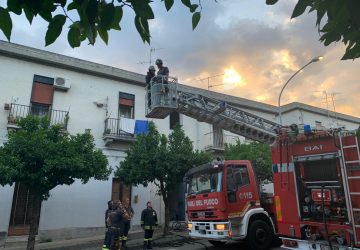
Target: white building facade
column 95, row 97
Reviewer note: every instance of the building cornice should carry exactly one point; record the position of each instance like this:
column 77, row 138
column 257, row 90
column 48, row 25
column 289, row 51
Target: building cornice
column 70, row 63
column 315, row 110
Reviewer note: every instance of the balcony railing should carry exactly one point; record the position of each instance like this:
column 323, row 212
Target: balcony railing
column 115, row 131
column 56, row 117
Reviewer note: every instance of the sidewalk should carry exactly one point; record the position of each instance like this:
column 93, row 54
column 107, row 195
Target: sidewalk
column 135, row 242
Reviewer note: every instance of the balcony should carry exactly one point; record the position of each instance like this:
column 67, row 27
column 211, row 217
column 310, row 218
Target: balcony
column 115, row 132
column 18, row 111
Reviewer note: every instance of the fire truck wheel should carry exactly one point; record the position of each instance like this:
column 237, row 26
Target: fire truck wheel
column 216, row 243
column 260, row 235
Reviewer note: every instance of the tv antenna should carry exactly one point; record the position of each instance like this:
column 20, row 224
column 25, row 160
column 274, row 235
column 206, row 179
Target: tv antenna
column 152, row 50
column 329, row 99
column 208, row 81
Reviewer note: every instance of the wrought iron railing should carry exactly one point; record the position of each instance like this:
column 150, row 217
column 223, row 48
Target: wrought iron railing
column 114, row 127
column 56, row 117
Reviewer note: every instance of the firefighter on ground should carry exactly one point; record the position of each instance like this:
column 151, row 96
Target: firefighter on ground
column 115, row 221
column 126, row 222
column 106, row 244
column 148, row 223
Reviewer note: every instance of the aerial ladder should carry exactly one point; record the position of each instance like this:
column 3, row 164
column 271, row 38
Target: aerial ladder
column 164, row 97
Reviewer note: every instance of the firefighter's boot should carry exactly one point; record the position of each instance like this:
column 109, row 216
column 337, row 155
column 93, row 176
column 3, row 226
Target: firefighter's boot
column 123, row 244
column 149, row 246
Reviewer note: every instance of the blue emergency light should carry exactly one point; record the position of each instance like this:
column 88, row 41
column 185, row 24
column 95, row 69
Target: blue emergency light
column 307, row 129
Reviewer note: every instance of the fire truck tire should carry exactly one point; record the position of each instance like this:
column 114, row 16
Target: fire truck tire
column 260, row 235
column 217, row 243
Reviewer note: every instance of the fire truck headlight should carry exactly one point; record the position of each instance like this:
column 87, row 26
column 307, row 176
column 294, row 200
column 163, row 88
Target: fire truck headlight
column 190, row 226
column 220, row 226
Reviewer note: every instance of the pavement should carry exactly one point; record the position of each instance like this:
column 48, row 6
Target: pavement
column 135, row 242
column 177, row 240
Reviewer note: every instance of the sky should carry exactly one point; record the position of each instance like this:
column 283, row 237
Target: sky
column 257, row 45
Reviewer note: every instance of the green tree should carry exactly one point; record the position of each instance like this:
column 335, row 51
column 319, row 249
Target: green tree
column 336, row 20
column 87, row 18
column 259, row 154
column 156, row 158
column 42, row 157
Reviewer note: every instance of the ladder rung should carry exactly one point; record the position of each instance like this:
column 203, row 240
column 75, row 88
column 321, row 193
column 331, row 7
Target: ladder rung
column 356, row 209
column 349, row 162
column 358, row 226
column 350, row 146
column 354, row 193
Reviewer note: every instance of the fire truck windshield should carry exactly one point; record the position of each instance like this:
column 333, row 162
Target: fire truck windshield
column 205, row 182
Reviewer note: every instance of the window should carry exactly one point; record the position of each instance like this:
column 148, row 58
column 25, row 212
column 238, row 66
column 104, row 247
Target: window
column 205, row 182
column 241, row 176
column 126, row 105
column 40, row 109
column 237, row 177
column 42, row 90
column 43, row 79
column 174, row 119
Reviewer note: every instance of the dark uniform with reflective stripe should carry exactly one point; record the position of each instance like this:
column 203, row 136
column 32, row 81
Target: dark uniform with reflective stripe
column 106, row 244
column 116, row 218
column 126, row 225
column 148, row 222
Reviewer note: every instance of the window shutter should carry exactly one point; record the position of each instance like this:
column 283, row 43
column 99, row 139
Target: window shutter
column 42, row 93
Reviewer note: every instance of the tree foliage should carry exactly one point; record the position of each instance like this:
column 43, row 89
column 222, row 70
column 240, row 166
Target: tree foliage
column 41, row 157
column 337, row 20
column 259, row 154
column 87, row 18
column 160, row 159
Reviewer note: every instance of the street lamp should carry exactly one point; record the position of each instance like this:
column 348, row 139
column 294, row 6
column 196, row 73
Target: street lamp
column 316, row 59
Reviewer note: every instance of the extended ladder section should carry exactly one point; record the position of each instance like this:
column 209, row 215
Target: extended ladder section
column 164, row 98
column 349, row 146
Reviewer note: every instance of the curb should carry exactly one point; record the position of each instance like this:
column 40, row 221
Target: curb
column 173, row 240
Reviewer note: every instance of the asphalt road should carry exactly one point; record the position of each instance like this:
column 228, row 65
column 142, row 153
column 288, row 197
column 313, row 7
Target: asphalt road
column 198, row 245
column 202, row 245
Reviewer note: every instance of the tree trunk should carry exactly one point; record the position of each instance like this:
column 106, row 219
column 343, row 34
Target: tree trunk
column 34, row 220
column 167, row 216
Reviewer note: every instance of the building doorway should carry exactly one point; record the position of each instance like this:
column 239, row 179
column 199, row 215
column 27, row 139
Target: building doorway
column 120, row 190
column 22, row 205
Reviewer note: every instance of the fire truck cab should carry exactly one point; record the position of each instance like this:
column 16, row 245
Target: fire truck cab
column 223, row 203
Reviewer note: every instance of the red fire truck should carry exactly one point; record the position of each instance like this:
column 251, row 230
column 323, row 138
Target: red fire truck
column 223, row 203
column 316, row 174
column 317, row 190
